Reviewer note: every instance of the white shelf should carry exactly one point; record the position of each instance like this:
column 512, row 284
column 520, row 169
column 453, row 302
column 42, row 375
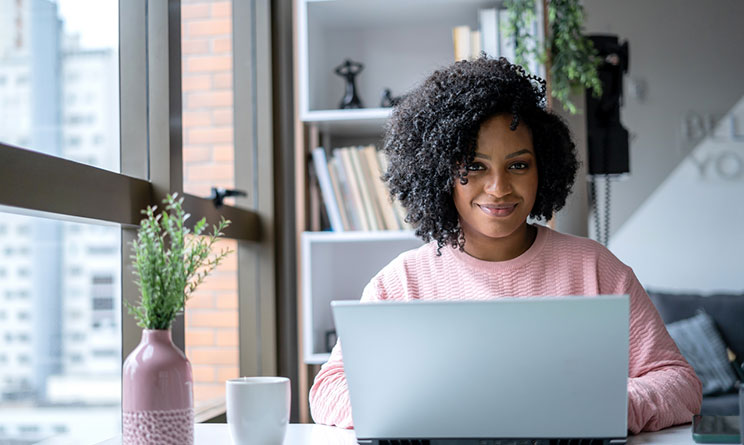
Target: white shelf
column 363, row 121
column 317, row 359
column 355, row 14
column 337, row 266
column 398, row 42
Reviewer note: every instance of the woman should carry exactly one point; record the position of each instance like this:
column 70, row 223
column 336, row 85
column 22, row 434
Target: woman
column 473, row 153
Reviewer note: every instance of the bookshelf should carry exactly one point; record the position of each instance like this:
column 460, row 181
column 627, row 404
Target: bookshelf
column 337, row 266
column 399, row 42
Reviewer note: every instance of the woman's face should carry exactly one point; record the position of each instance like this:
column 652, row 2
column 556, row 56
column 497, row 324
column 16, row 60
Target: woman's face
column 501, row 189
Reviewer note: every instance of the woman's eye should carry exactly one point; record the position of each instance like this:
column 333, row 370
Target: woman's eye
column 476, row 167
column 519, row 165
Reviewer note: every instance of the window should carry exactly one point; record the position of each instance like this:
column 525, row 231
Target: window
column 103, row 304
column 84, row 220
column 105, row 353
column 103, row 279
column 73, row 141
column 68, row 43
column 101, row 250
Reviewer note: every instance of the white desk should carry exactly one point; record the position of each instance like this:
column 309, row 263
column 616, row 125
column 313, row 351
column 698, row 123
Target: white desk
column 304, row 434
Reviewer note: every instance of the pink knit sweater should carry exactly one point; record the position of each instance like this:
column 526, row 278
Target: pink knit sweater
column 663, row 390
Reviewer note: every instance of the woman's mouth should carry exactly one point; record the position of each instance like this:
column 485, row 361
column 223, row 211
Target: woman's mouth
column 499, row 210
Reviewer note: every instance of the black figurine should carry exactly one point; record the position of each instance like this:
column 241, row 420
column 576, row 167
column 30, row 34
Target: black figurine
column 388, row 100
column 348, row 70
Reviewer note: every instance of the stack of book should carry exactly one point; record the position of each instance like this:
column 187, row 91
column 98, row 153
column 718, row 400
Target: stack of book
column 353, row 193
column 492, row 38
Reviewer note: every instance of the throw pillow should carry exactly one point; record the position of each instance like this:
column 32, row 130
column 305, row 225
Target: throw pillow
column 700, row 343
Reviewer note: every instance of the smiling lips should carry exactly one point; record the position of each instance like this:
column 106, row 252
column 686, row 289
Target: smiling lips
column 499, row 210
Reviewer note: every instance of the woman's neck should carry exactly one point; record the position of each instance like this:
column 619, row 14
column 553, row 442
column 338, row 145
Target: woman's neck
column 503, row 248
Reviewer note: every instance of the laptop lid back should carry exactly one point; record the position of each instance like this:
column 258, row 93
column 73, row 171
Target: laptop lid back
column 508, row 368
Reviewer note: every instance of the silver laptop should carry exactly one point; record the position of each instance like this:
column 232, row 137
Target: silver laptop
column 527, row 370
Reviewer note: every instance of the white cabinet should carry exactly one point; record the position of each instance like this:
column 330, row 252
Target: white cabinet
column 337, row 266
column 399, row 42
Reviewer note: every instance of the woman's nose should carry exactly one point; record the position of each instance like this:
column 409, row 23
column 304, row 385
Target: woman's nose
column 498, row 185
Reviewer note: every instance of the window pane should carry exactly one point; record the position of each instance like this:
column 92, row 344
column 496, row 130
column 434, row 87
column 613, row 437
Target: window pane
column 60, row 331
column 212, row 330
column 207, row 60
column 211, row 314
column 59, row 75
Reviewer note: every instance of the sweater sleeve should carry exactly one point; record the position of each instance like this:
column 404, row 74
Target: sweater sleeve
column 663, row 389
column 329, row 395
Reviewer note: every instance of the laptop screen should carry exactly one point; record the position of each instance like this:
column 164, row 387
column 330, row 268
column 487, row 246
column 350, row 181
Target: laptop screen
column 509, row 368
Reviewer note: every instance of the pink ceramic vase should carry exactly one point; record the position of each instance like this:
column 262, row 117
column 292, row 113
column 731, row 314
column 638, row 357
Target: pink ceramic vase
column 157, row 399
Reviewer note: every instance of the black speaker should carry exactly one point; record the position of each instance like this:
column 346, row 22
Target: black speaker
column 607, row 139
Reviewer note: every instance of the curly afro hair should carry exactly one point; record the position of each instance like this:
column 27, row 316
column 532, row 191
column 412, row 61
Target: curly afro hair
column 431, row 138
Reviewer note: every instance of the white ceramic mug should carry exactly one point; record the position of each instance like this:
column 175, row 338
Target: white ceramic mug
column 258, row 410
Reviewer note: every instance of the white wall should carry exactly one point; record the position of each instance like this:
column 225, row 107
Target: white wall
column 688, row 54
column 676, row 219
column 689, row 235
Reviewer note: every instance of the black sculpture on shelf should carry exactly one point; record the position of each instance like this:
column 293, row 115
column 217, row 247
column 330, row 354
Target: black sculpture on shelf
column 348, row 70
column 388, row 100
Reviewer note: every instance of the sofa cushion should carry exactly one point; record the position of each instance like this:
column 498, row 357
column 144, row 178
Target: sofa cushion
column 699, row 341
column 727, row 311
column 721, row 405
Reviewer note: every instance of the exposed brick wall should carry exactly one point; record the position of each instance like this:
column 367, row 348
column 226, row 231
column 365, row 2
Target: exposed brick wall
column 211, row 315
column 206, row 29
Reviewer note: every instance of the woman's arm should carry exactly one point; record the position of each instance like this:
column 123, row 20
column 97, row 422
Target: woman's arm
column 663, row 389
column 329, row 396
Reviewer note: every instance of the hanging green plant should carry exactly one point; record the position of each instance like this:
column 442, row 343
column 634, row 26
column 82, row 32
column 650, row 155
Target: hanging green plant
column 573, row 58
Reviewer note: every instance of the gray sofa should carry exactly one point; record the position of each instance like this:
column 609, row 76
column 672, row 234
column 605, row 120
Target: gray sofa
column 728, row 312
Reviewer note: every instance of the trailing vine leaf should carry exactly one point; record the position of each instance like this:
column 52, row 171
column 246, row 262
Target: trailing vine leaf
column 574, row 60
column 170, row 262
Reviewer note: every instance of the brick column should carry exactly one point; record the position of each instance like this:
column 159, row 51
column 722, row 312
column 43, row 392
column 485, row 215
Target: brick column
column 208, row 156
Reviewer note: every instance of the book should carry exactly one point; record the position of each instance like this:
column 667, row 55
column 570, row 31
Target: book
column 461, row 39
column 337, row 193
column 475, row 44
column 314, row 205
column 369, row 207
column 372, row 178
column 326, row 189
column 380, row 192
column 356, row 196
column 347, row 201
column 507, row 43
column 400, row 211
column 489, row 31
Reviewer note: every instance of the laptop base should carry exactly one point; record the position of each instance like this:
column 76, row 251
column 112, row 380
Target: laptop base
column 583, row 441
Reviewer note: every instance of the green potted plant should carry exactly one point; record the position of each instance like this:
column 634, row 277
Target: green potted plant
column 169, row 262
column 570, row 56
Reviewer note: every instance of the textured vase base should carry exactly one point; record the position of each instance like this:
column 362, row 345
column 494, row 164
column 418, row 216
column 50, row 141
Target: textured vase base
column 168, row 427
